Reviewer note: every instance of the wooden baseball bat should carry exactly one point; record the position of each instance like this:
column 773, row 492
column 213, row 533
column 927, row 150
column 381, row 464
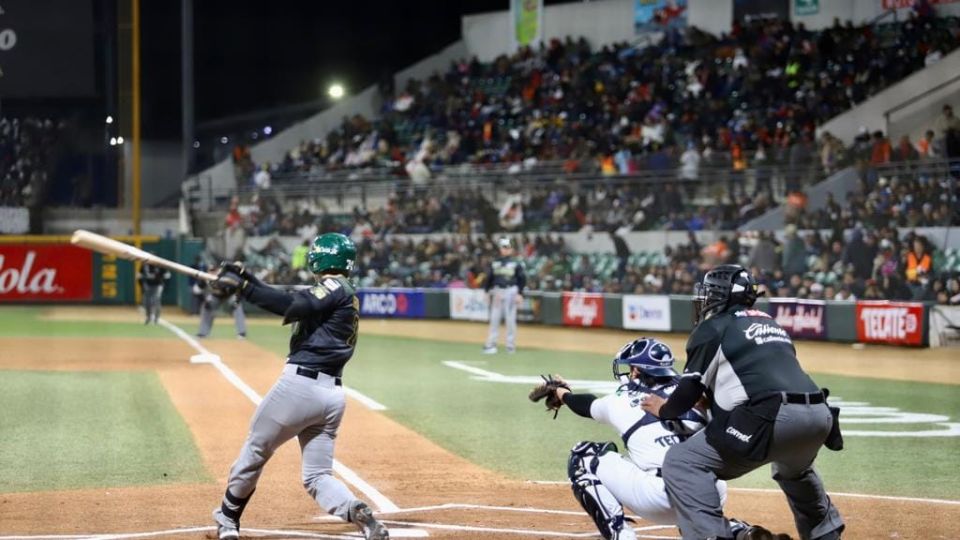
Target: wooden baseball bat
column 108, row 246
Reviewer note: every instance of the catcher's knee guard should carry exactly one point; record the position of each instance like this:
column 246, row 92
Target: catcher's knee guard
column 605, row 510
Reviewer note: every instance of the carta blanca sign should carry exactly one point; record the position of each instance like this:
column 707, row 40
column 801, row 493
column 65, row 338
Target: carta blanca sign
column 391, row 303
column 805, row 319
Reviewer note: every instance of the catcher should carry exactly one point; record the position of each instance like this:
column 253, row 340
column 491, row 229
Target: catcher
column 602, row 480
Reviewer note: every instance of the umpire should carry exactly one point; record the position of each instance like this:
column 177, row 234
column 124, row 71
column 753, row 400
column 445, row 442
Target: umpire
column 765, row 410
column 505, row 282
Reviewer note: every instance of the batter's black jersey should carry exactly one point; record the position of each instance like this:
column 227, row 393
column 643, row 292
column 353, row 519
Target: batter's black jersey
column 742, row 353
column 326, row 319
column 505, row 272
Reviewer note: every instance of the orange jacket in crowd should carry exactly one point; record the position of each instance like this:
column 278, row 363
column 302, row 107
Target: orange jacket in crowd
column 917, row 267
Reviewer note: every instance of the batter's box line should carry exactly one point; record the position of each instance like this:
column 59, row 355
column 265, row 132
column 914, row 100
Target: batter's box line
column 396, row 533
column 519, row 532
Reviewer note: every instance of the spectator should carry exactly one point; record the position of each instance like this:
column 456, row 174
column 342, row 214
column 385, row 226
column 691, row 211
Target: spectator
column 919, row 263
column 794, row 259
column 925, row 146
column 764, row 254
column 946, row 122
column 882, row 151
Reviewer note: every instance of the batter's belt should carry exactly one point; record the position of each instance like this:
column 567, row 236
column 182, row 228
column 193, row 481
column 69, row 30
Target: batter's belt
column 312, row 373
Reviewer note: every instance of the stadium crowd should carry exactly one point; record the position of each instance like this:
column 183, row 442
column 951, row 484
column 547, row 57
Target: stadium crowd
column 26, row 148
column 812, row 265
column 754, row 96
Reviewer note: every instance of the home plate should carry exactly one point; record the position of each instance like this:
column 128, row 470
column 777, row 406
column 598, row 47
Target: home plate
column 204, row 358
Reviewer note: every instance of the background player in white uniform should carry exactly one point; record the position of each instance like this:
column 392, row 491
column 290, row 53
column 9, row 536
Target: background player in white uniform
column 604, row 481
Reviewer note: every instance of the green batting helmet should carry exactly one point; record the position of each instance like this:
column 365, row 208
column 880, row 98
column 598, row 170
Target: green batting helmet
column 331, row 252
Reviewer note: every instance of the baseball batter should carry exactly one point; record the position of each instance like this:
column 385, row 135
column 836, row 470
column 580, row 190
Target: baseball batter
column 603, row 481
column 151, row 280
column 765, row 408
column 307, row 401
column 505, row 282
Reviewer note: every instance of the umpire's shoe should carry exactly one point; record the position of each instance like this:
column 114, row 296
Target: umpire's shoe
column 362, row 516
column 756, row 532
column 227, row 529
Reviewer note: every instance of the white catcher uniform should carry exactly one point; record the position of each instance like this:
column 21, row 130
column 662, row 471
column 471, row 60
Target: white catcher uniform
column 603, row 480
column 634, row 479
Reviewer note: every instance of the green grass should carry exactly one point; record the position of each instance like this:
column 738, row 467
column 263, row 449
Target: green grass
column 495, row 426
column 65, row 430
column 21, row 321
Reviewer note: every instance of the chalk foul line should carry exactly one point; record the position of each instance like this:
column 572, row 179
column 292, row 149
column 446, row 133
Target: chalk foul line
column 204, row 356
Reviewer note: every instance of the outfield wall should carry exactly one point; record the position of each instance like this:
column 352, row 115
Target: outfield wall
column 892, row 323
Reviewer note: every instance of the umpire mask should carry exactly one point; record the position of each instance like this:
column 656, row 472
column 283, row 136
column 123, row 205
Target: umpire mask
column 724, row 286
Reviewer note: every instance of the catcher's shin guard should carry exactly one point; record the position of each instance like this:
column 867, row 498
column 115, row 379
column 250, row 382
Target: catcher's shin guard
column 605, row 510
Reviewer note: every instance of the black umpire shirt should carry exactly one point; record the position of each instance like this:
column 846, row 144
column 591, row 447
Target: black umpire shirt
column 737, row 354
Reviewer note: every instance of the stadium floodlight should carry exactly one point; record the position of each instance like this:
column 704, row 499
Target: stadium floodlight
column 109, row 119
column 267, row 130
column 224, row 140
column 336, row 91
column 196, row 144
column 119, row 139
column 113, row 141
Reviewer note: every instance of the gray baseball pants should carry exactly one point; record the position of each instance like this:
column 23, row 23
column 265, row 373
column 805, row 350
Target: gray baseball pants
column 208, row 311
column 305, row 408
column 690, row 471
column 151, row 301
column 503, row 305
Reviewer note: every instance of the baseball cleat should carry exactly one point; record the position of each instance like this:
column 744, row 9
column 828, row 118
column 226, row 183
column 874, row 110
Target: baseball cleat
column 489, row 350
column 227, row 529
column 362, row 516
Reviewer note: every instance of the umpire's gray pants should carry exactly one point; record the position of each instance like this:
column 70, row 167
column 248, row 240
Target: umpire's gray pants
column 310, row 410
column 208, row 311
column 503, row 305
column 690, row 471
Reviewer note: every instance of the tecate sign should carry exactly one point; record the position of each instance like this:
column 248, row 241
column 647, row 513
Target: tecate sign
column 45, row 273
column 890, row 322
column 582, row 309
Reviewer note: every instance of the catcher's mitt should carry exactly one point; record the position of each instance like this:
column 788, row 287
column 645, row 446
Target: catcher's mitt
column 548, row 389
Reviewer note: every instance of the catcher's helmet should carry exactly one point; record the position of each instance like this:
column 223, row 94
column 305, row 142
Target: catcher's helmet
column 653, row 357
column 724, row 286
column 331, row 253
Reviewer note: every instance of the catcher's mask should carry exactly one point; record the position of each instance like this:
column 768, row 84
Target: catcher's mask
column 652, row 357
column 724, row 286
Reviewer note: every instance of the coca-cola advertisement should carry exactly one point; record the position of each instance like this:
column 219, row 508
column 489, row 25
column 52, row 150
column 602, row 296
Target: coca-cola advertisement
column 802, row 319
column 897, row 323
column 45, row 272
column 582, row 309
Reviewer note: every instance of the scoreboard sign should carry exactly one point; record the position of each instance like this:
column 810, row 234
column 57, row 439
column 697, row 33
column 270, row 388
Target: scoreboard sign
column 46, row 48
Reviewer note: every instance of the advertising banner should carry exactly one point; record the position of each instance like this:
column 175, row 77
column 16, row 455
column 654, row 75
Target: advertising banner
column 898, row 323
column 658, row 15
column 582, row 309
column 469, row 305
column 402, row 303
column 646, row 312
column 751, row 10
column 901, row 4
column 527, row 18
column 45, row 273
column 806, row 7
column 804, row 319
column 945, row 326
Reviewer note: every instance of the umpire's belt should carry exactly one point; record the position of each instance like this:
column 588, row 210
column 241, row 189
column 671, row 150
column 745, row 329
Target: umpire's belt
column 812, row 398
column 315, row 374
